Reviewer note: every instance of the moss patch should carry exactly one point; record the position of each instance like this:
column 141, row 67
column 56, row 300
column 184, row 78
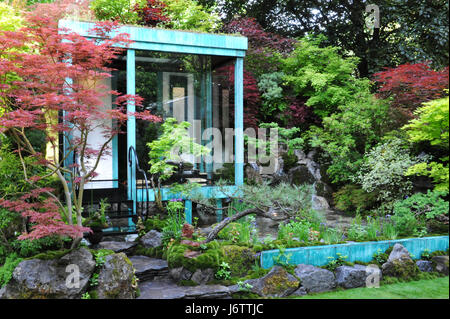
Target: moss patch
column 279, row 282
column 210, row 258
column 240, row 259
column 51, row 254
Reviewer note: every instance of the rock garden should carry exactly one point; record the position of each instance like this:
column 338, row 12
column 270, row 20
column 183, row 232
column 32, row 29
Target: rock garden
column 360, row 153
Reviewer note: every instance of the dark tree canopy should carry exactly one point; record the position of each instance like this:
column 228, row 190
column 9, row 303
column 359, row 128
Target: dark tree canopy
column 410, row 30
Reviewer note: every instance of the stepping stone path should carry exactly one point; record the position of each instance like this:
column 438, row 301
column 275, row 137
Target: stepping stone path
column 147, row 268
column 169, row 290
column 116, row 246
column 154, row 279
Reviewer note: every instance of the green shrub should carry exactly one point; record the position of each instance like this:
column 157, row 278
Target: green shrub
column 383, row 170
column 432, row 126
column 155, row 222
column 380, row 257
column 119, row 10
column 29, row 248
column 412, row 213
column 7, row 269
column 353, row 199
column 335, row 262
column 356, row 231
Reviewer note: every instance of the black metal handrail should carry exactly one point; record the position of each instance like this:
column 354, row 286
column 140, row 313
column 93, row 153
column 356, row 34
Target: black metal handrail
column 146, row 202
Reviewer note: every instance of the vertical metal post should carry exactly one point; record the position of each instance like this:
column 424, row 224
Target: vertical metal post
column 188, row 211
column 131, row 126
column 239, row 121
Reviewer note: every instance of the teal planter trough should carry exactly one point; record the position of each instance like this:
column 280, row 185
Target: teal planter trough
column 361, row 251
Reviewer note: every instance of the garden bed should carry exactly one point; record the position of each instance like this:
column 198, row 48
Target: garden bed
column 358, row 251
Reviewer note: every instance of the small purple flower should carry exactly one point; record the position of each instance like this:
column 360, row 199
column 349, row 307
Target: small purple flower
column 240, row 201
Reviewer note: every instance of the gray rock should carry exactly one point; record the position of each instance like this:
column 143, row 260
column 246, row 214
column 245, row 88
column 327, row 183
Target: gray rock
column 301, row 156
column 300, row 175
column 116, row 246
column 315, row 279
column 300, row 292
column 425, row 265
column 203, row 276
column 206, row 292
column 252, row 172
column 319, row 203
column 180, row 273
column 169, row 290
column 441, row 264
column 403, row 267
column 3, row 293
column 53, row 279
column 147, row 268
column 351, row 277
column 116, row 278
column 323, row 190
column 399, row 263
column 399, row 251
column 277, row 283
column 152, row 239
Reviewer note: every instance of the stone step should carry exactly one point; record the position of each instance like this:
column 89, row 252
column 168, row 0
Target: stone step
column 116, row 246
column 149, row 268
column 169, row 290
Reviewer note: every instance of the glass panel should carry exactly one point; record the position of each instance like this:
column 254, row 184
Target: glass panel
column 192, row 88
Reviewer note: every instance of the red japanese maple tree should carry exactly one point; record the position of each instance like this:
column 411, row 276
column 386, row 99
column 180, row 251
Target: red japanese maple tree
column 410, row 85
column 57, row 89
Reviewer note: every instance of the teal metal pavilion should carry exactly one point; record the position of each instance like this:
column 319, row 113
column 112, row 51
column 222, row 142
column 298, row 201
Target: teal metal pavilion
column 155, row 46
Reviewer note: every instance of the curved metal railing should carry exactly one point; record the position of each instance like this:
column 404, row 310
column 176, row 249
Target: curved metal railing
column 132, row 155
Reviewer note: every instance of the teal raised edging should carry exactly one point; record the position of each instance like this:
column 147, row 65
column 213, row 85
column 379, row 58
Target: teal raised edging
column 363, row 251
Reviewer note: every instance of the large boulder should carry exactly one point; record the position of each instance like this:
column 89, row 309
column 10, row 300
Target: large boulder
column 300, row 175
column 116, row 279
column 66, row 277
column 351, row 276
column 400, row 264
column 315, row 279
column 425, row 265
column 152, row 239
column 398, row 251
column 319, row 203
column 277, row 283
column 440, row 264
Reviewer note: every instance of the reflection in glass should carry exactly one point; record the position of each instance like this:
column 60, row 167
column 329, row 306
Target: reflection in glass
column 193, row 88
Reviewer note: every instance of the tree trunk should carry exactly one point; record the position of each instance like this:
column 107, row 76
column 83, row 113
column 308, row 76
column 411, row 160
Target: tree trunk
column 213, row 234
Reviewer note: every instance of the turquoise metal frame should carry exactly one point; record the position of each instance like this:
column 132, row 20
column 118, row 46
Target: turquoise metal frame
column 361, row 251
column 152, row 39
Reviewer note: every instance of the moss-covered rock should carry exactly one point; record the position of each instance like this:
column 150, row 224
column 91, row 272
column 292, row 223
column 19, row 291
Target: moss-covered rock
column 208, row 258
column 240, row 259
column 116, row 278
column 48, row 277
column 403, row 267
column 277, row 283
column 440, row 264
